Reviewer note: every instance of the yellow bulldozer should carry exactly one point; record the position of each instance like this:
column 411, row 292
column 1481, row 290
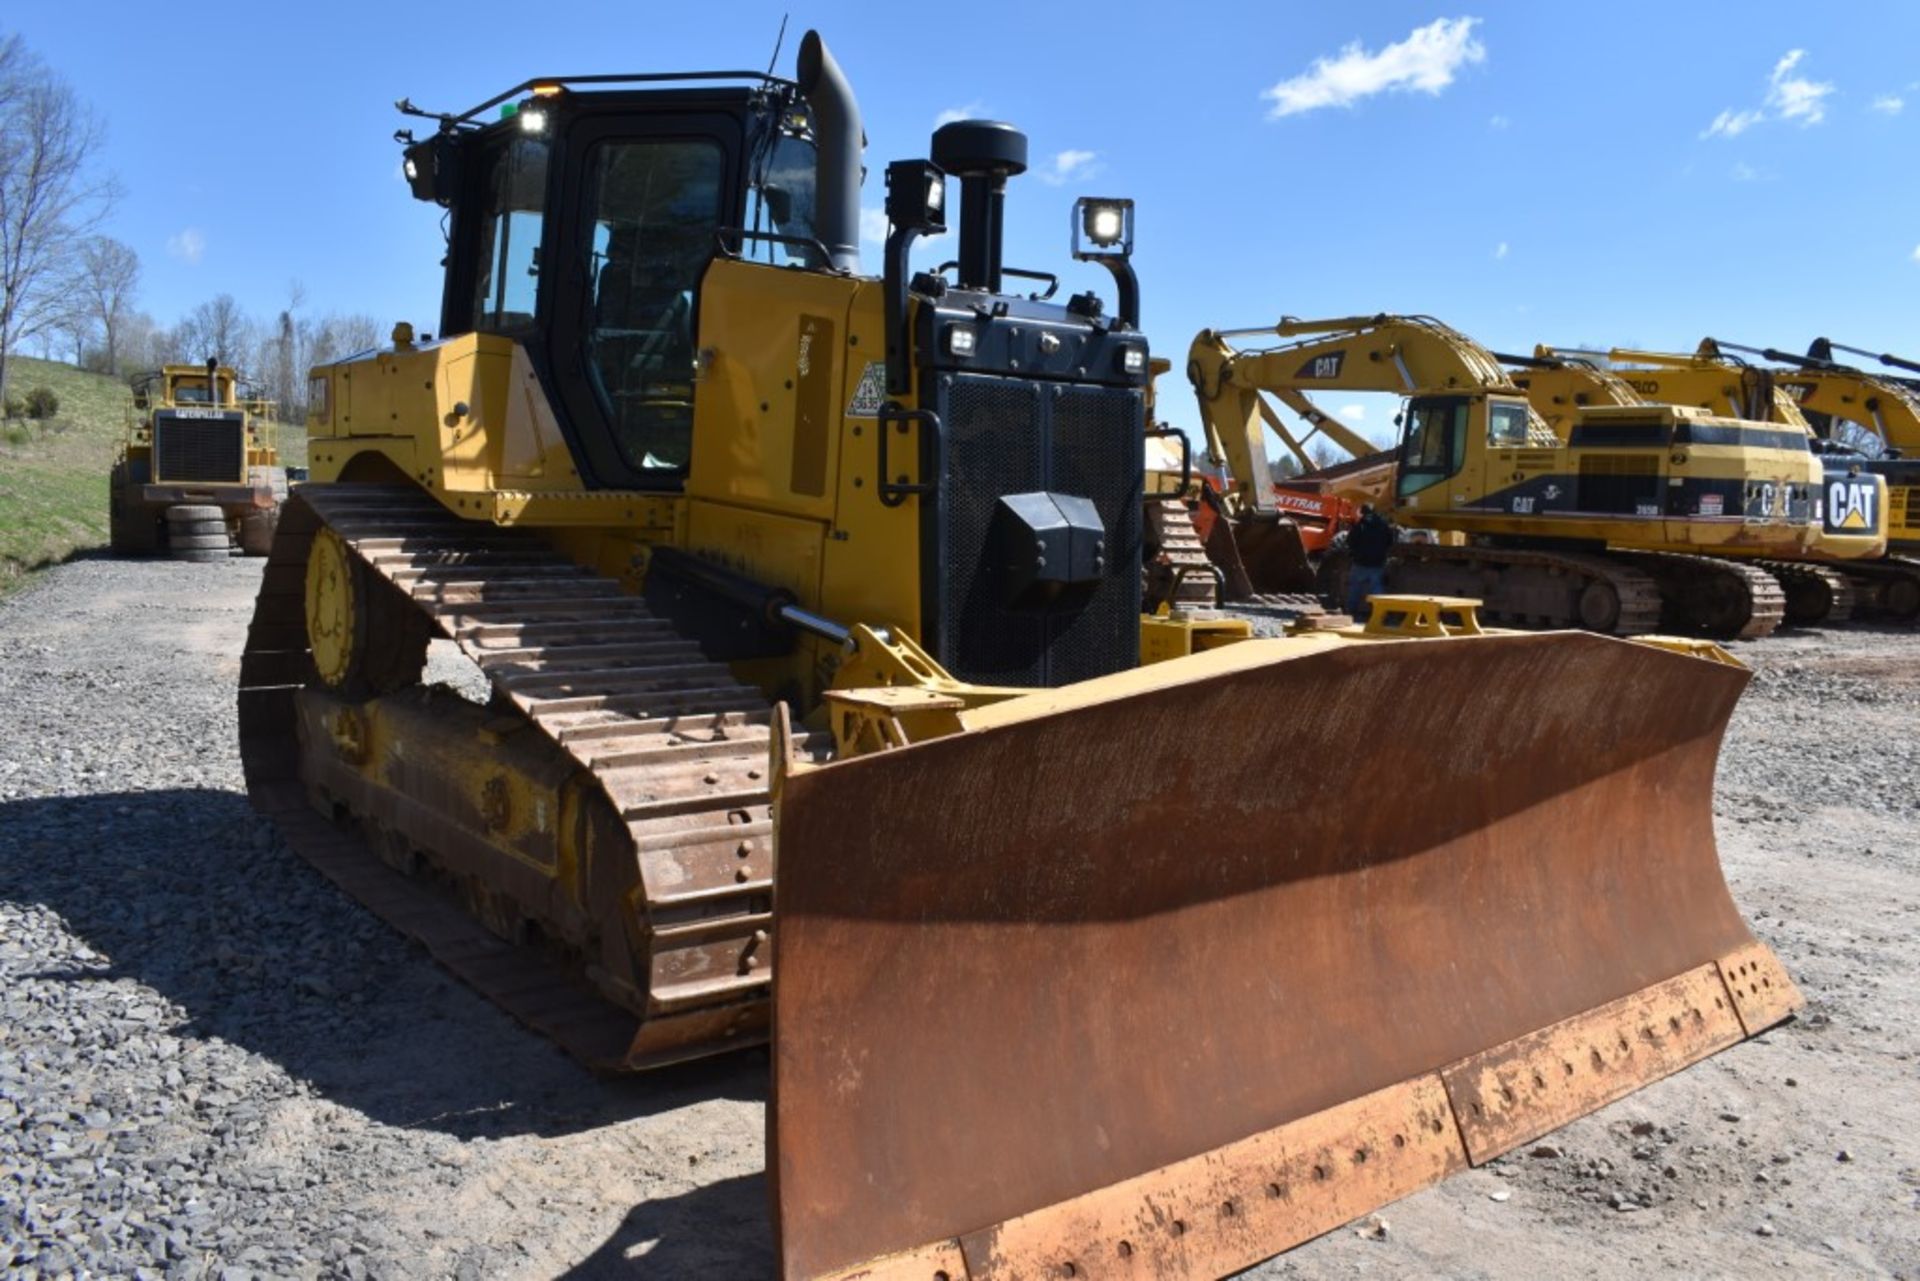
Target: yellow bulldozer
column 197, row 474
column 808, row 604
column 1622, row 516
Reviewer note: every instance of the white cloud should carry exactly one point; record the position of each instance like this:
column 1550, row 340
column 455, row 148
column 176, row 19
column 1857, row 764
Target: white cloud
column 1068, row 165
column 1795, row 97
column 1426, row 60
column 1789, row 97
column 1498, row 122
column 975, row 110
column 1744, row 172
column 1916, row 253
column 1352, row 413
column 1888, row 104
column 187, row 245
column 1731, row 124
column 1500, row 250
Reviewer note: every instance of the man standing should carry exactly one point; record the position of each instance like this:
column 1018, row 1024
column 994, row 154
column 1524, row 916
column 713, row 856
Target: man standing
column 1368, row 543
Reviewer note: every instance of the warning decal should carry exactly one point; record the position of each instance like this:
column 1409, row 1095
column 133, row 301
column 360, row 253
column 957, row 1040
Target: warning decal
column 871, row 393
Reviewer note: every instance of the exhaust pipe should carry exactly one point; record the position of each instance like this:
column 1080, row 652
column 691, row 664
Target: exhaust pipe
column 983, row 154
column 838, row 139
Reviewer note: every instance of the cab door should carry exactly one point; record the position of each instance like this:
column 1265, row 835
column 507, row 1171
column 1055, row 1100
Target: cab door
column 1433, row 473
column 643, row 200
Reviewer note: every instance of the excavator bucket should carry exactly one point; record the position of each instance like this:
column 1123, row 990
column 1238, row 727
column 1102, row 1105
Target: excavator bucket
column 1061, row 996
column 1275, row 558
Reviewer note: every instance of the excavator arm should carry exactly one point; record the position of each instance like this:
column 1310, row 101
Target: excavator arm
column 1825, row 390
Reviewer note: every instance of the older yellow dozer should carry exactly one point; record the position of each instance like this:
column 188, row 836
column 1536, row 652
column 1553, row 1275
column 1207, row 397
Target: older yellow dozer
column 807, row 606
column 197, row 473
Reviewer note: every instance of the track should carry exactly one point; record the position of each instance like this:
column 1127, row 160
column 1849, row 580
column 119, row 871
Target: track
column 1535, row 588
column 1814, row 593
column 1179, row 566
column 1889, row 587
column 1724, row 599
column 670, row 750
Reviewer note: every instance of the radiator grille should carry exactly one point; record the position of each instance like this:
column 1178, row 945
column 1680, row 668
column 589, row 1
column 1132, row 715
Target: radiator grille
column 1628, row 484
column 1008, row 436
column 199, row 449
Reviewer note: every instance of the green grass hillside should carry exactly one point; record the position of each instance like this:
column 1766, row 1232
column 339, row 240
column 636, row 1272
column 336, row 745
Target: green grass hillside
column 53, row 473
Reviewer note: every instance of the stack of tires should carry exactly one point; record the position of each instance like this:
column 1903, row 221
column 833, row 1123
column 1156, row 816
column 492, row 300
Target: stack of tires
column 197, row 533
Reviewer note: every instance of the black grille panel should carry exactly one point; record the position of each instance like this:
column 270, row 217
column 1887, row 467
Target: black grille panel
column 1009, row 436
column 199, row 449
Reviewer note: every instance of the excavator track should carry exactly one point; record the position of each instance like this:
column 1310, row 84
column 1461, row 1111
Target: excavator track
column 1532, row 588
column 1814, row 593
column 1724, row 599
column 667, row 749
column 1888, row 588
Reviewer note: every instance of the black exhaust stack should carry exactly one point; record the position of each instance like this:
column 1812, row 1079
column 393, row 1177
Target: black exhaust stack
column 838, row 139
column 983, row 154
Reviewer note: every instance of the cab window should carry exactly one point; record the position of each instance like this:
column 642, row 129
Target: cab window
column 656, row 210
column 1506, row 425
column 783, row 202
column 512, row 221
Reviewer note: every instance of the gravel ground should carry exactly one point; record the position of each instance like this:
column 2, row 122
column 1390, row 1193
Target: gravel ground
column 212, row 1064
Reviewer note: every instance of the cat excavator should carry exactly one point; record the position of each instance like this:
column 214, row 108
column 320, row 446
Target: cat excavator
column 806, row 606
column 1871, row 420
column 1624, row 517
column 1846, row 568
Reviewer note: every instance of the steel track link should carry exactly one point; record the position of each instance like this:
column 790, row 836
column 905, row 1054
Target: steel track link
column 1815, row 594
column 1755, row 605
column 1639, row 596
column 675, row 745
column 1184, row 555
column 1888, row 587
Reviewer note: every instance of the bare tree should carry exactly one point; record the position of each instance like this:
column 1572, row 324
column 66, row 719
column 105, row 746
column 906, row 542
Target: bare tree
column 216, row 329
column 48, row 200
column 109, row 274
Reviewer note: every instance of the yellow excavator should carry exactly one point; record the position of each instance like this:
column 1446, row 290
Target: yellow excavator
column 1846, row 568
column 807, row 604
column 1864, row 419
column 1625, row 517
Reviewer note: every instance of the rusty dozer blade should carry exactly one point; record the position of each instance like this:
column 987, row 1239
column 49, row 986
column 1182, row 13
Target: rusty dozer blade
column 1061, row 996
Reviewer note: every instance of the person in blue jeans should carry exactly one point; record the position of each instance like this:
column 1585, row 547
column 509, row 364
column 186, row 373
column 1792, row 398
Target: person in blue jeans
column 1368, row 543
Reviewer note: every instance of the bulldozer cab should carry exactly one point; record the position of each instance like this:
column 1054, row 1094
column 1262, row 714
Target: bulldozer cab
column 582, row 220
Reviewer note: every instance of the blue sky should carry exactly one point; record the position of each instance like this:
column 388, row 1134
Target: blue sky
column 1633, row 173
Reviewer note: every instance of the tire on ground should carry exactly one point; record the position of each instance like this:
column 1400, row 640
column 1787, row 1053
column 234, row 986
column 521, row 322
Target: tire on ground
column 190, row 512
column 199, row 555
column 256, row 531
column 132, row 529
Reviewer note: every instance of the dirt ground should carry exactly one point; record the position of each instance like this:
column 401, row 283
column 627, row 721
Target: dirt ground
column 212, row 1064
